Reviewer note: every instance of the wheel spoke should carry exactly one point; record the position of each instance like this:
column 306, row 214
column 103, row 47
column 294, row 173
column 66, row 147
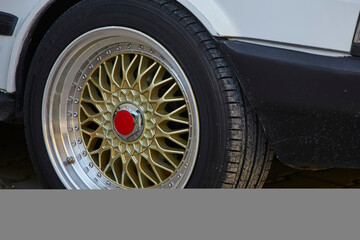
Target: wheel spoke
column 130, row 70
column 165, row 133
column 115, row 72
column 162, row 147
column 104, row 82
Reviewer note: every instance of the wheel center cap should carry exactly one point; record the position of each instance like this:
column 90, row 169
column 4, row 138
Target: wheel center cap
column 128, row 122
column 124, row 122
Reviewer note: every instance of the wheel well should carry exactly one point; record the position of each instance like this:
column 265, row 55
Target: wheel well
column 32, row 41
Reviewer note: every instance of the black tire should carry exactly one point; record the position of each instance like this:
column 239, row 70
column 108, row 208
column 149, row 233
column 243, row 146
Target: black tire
column 233, row 150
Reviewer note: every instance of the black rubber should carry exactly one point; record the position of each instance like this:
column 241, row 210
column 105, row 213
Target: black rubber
column 7, row 23
column 233, row 150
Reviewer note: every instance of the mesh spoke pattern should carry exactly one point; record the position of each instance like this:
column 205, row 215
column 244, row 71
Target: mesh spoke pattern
column 144, row 82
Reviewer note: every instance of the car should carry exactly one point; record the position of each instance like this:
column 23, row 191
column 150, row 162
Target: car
column 137, row 94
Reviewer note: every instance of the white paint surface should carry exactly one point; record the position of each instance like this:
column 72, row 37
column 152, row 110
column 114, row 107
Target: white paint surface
column 317, row 26
column 324, row 24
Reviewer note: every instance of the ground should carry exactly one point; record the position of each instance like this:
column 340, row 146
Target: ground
column 16, row 171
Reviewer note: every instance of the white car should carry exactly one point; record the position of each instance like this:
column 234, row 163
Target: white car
column 127, row 94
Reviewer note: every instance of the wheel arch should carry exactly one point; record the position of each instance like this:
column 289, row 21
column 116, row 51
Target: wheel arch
column 45, row 17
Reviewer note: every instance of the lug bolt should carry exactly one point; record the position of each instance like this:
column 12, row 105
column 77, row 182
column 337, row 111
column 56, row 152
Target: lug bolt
column 69, row 161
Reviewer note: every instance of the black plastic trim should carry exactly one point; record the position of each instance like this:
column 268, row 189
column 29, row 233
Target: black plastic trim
column 7, row 23
column 355, row 47
column 309, row 105
column 355, row 50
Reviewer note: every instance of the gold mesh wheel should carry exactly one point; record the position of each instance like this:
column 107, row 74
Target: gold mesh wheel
column 122, row 114
column 146, row 84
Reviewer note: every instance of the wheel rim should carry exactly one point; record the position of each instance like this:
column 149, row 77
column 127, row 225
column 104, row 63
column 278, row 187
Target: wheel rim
column 119, row 112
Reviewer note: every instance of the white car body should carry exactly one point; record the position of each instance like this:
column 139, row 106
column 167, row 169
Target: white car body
column 284, row 74
column 324, row 27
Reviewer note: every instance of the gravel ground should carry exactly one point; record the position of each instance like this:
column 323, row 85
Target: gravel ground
column 16, row 170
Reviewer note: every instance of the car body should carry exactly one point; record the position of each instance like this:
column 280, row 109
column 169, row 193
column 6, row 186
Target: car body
column 296, row 61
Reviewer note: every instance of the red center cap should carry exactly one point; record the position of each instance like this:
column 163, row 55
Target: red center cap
column 124, row 122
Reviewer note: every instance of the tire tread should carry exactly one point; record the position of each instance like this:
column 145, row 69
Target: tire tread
column 249, row 154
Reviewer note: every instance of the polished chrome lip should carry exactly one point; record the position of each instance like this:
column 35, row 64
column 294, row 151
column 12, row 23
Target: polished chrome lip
column 57, row 140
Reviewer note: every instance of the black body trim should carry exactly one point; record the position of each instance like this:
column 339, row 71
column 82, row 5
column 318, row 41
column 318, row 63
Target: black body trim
column 7, row 23
column 308, row 104
column 355, row 49
column 7, row 106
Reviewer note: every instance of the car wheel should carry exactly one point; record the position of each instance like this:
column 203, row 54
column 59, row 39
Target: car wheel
column 136, row 94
